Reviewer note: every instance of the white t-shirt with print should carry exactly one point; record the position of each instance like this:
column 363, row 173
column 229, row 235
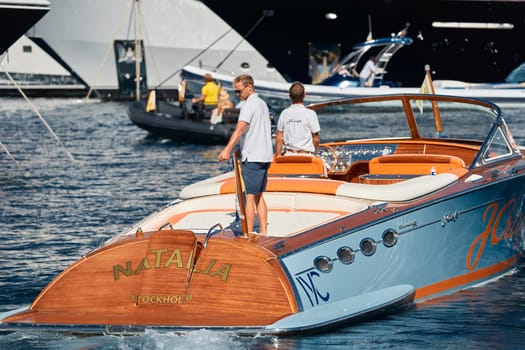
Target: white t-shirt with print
column 297, row 124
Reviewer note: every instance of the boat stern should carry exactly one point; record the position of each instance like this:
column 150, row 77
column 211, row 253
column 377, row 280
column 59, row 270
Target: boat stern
column 166, row 278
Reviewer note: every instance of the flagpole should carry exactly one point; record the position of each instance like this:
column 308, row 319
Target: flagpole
column 435, row 109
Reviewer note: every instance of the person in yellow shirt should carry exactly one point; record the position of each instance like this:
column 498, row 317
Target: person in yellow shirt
column 209, row 94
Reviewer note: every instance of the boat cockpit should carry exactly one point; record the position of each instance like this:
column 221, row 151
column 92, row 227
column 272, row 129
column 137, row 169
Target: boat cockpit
column 426, row 154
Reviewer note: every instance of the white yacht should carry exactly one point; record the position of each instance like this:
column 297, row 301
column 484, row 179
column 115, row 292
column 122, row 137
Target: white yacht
column 80, row 34
column 16, row 16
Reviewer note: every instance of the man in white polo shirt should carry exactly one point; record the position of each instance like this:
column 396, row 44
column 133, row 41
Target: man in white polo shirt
column 298, row 127
column 254, row 131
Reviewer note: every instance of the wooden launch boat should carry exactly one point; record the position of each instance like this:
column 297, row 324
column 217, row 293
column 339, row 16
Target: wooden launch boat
column 367, row 226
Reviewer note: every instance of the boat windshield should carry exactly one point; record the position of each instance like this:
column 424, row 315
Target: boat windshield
column 388, row 119
column 475, row 123
column 455, row 120
column 372, row 120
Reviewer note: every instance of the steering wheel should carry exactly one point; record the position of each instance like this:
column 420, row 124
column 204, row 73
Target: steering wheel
column 329, row 156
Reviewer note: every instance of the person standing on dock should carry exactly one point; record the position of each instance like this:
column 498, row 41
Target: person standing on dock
column 254, row 133
column 298, row 127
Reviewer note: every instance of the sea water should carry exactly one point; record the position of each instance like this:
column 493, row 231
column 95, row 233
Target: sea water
column 54, row 208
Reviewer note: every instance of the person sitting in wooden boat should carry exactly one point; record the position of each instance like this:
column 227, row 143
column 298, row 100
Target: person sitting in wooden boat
column 224, row 102
column 298, row 127
column 209, row 95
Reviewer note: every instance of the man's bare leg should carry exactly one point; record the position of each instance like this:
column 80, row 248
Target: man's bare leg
column 262, row 213
column 250, row 211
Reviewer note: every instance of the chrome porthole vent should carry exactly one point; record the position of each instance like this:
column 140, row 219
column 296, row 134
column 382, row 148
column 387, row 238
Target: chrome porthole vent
column 346, row 255
column 368, row 246
column 323, row 264
column 389, row 238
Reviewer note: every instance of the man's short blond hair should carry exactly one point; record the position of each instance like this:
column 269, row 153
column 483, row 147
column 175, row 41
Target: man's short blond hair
column 245, row 79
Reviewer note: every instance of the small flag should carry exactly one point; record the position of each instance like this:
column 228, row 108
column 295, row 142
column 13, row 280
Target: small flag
column 182, row 90
column 426, row 88
column 151, row 106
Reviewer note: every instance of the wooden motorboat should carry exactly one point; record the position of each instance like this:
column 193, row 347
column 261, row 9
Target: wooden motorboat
column 430, row 203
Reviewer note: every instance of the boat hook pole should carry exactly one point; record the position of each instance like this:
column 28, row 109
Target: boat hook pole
column 266, row 13
column 240, row 193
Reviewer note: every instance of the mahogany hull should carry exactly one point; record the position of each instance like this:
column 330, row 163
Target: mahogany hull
column 144, row 281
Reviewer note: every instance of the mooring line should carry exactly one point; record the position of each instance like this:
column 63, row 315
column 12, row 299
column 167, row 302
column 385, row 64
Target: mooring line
column 37, row 113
